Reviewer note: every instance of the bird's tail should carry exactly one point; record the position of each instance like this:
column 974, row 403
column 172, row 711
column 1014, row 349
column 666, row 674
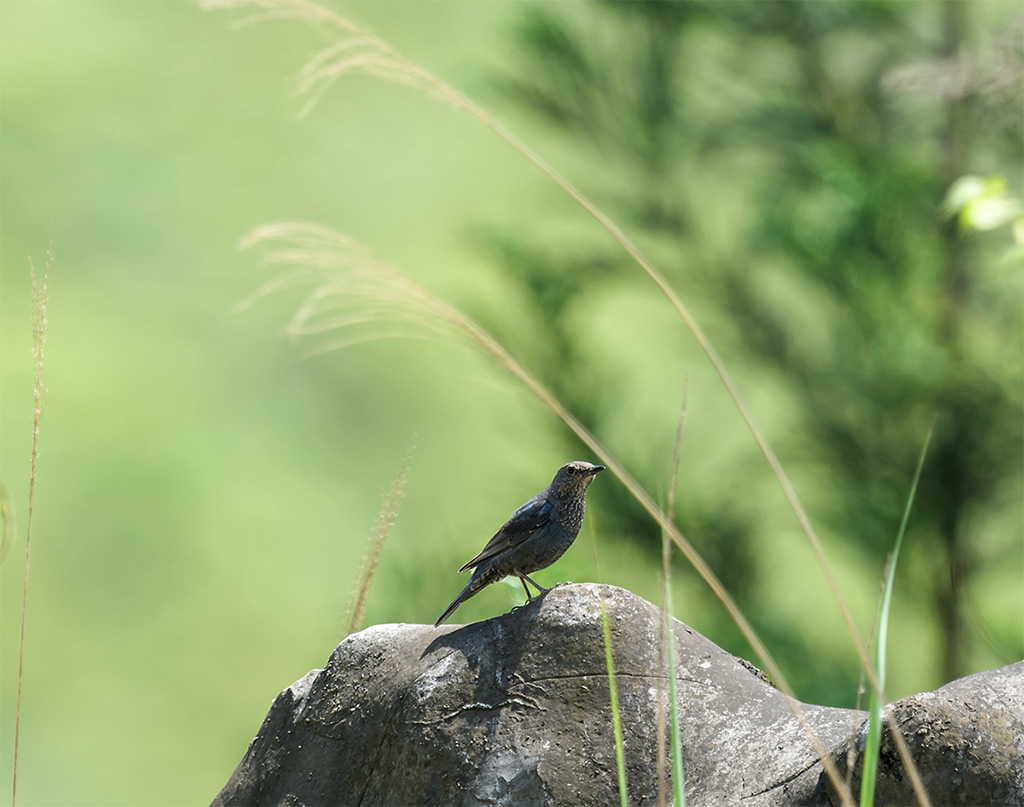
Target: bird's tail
column 480, row 578
column 465, row 595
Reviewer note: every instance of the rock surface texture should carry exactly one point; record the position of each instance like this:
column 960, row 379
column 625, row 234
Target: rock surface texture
column 515, row 711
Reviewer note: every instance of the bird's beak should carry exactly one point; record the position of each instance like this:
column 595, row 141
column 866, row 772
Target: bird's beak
column 596, row 469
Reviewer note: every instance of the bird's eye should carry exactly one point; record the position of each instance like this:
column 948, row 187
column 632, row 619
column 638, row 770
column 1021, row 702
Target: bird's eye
column 570, row 470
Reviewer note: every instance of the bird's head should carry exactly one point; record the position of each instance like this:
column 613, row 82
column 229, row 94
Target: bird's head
column 575, row 475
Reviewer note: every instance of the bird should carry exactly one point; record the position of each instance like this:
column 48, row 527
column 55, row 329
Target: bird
column 536, row 535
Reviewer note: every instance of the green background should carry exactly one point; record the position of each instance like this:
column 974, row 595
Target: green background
column 205, row 490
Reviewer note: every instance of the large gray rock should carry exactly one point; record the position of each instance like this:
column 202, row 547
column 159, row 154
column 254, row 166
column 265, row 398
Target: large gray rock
column 515, row 711
column 966, row 739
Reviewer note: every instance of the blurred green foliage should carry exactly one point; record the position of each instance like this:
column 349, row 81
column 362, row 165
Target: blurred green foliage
column 984, row 203
column 205, row 492
column 839, row 277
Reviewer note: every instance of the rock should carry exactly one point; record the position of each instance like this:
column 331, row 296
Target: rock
column 966, row 739
column 515, row 710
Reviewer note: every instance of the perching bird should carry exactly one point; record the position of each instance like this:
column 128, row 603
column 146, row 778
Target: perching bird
column 536, row 536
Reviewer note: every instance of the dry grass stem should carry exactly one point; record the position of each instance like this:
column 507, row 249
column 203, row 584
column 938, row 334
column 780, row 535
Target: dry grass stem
column 677, row 447
column 10, row 526
column 662, row 755
column 353, row 290
column 666, row 622
column 613, row 695
column 665, row 630
column 354, row 50
column 386, row 517
column 40, row 298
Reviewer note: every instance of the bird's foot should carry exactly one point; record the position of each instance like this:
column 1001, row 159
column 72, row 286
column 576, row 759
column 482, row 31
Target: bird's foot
column 531, row 599
column 539, row 595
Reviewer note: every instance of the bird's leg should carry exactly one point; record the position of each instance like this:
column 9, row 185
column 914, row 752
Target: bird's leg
column 540, row 589
column 529, row 597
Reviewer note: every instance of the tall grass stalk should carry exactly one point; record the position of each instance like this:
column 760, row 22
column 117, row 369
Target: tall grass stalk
column 675, row 742
column 358, row 50
column 851, row 751
column 386, row 517
column 661, row 731
column 676, row 754
column 10, row 527
column 40, row 298
column 620, row 751
column 874, row 738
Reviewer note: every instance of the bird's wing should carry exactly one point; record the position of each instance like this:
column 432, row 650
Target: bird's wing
column 524, row 522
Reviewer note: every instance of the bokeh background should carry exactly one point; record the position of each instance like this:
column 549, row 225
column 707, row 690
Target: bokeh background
column 207, row 486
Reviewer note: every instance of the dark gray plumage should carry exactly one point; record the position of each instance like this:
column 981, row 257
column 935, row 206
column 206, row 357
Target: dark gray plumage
column 536, row 536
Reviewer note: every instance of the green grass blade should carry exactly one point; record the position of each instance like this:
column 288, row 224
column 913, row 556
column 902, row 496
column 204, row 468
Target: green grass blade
column 871, row 747
column 874, row 738
column 678, row 790
column 676, row 749
column 620, row 754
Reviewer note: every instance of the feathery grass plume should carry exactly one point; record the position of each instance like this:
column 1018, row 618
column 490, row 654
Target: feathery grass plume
column 349, row 277
column 40, row 297
column 354, row 50
column 620, row 751
column 9, row 521
column 874, row 738
column 382, row 525
column 355, row 294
